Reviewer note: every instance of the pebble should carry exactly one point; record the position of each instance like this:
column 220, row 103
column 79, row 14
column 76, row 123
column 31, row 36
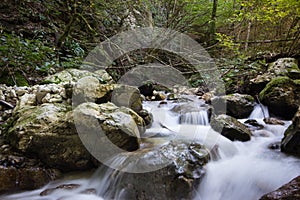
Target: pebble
column 21, row 91
column 46, row 98
column 13, row 93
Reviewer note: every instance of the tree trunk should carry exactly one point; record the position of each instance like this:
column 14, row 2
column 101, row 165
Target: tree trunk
column 213, row 21
column 248, row 35
column 234, row 5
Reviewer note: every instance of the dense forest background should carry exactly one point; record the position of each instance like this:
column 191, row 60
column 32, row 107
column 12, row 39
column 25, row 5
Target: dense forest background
column 40, row 37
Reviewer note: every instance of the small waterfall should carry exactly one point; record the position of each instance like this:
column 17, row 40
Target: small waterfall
column 260, row 111
column 104, row 184
column 197, row 118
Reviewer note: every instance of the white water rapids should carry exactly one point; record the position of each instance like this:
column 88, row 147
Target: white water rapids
column 238, row 170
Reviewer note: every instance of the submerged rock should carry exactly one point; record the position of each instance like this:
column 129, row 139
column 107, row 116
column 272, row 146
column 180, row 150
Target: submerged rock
column 291, row 142
column 252, row 124
column 237, row 105
column 289, row 191
column 274, row 146
column 230, row 128
column 282, row 96
column 67, row 187
column 282, row 67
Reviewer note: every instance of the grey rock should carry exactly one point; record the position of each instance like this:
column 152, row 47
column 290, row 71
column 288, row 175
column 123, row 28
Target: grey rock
column 230, row 128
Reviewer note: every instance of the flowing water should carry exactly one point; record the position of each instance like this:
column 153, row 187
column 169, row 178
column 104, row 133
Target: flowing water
column 238, row 170
column 199, row 118
column 254, row 170
column 260, row 111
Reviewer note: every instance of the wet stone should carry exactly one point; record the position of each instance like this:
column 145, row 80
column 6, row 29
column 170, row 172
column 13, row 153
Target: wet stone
column 252, row 124
column 273, row 121
column 68, row 187
column 274, row 146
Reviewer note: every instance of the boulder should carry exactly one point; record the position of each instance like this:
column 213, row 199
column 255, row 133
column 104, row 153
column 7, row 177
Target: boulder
column 73, row 75
column 149, row 90
column 48, row 132
column 291, row 142
column 230, row 128
column 128, row 96
column 89, row 89
column 289, row 191
column 19, row 97
column 237, row 105
column 282, row 96
column 20, row 173
column 50, row 93
column 121, row 126
column 174, row 181
column 282, row 67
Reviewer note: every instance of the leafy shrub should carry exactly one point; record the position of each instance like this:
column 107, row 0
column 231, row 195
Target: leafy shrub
column 30, row 59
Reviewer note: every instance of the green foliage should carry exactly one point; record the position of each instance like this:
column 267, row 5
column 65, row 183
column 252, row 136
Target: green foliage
column 22, row 57
column 266, row 25
column 268, row 10
column 196, row 80
column 227, row 44
column 237, row 72
column 67, row 29
column 72, row 55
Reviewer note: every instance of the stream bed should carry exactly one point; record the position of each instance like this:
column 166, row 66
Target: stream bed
column 237, row 170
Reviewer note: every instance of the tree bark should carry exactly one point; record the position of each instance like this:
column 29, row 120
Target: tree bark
column 248, row 35
column 213, row 21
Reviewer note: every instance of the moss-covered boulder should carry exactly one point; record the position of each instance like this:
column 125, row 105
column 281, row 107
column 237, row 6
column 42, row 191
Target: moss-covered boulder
column 230, row 128
column 289, row 191
column 285, row 67
column 48, row 132
column 237, row 105
column 291, row 142
column 282, row 67
column 282, row 96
